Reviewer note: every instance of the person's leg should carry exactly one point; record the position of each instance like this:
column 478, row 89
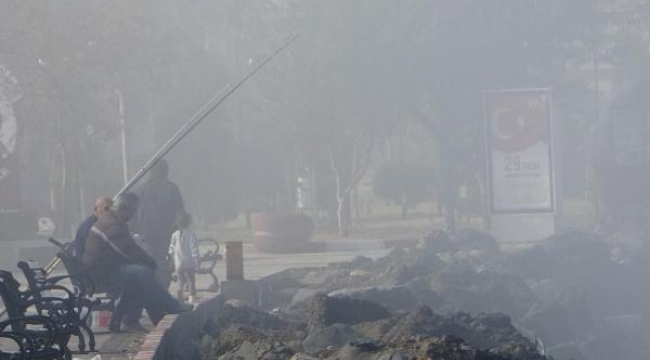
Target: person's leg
column 131, row 302
column 157, row 249
column 157, row 300
column 182, row 280
column 142, row 285
column 191, row 274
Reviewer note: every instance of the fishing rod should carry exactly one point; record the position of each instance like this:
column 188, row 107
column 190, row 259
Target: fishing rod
column 195, row 120
column 198, row 118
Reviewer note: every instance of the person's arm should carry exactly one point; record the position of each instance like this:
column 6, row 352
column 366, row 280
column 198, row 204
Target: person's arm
column 194, row 244
column 134, row 223
column 81, row 236
column 78, row 235
column 121, row 241
column 173, row 243
column 78, row 239
column 177, row 198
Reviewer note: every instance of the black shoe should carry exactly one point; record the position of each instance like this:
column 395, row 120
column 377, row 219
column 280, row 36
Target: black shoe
column 185, row 307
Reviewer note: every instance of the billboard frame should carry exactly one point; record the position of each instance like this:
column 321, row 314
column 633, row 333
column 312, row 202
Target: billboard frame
column 490, row 181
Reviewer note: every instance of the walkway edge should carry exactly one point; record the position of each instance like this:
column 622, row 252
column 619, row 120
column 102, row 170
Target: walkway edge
column 153, row 339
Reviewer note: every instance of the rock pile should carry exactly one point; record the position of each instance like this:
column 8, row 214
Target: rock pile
column 451, row 298
column 568, row 291
column 344, row 328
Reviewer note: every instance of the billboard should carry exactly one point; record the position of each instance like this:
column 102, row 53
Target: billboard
column 519, row 151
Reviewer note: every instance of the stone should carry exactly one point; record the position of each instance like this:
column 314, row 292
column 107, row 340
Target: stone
column 335, row 335
column 392, row 298
column 327, row 310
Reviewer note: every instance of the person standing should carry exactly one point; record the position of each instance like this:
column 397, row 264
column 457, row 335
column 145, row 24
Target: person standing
column 184, row 251
column 102, row 204
column 160, row 202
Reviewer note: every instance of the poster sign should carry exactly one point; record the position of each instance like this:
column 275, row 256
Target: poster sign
column 519, row 151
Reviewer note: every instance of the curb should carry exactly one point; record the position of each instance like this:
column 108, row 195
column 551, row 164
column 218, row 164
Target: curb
column 153, row 339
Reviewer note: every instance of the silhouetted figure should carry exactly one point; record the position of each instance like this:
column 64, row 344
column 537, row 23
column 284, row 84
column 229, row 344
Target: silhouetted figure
column 160, row 202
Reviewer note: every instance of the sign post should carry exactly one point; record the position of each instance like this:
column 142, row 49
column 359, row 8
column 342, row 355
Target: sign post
column 520, row 163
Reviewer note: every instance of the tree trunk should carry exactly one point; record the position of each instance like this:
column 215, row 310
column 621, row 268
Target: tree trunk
column 339, row 216
column 249, row 221
column 123, row 136
column 58, row 180
column 449, row 209
column 404, row 207
column 450, row 189
column 342, row 199
column 343, row 214
column 348, row 173
column 356, row 208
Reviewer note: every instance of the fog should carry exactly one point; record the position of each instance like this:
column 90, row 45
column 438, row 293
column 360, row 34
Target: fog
column 378, row 110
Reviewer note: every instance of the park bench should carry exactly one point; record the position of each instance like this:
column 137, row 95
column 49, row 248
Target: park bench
column 29, row 344
column 62, row 318
column 80, row 296
column 208, row 258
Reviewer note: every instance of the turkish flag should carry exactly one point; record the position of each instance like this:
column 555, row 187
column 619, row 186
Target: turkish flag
column 517, row 120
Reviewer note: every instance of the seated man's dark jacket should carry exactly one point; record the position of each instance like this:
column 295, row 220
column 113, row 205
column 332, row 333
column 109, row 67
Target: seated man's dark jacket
column 110, row 246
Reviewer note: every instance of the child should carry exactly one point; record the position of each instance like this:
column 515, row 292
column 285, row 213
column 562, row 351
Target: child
column 185, row 254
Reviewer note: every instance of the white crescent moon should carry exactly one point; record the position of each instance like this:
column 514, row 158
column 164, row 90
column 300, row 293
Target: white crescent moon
column 496, row 115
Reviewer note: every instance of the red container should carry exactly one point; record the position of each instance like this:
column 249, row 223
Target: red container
column 101, row 319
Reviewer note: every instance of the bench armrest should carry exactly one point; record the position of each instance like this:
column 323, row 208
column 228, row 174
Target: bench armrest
column 82, row 282
column 32, row 293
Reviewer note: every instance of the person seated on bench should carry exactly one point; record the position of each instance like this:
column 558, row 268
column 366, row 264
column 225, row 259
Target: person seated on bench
column 102, row 204
column 112, row 256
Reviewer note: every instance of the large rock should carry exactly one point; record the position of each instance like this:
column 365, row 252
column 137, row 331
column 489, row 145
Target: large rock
column 244, row 315
column 183, row 340
column 465, row 289
column 335, row 335
column 453, row 348
column 241, row 342
column 392, row 298
column 327, row 310
column 366, row 351
column 483, row 331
